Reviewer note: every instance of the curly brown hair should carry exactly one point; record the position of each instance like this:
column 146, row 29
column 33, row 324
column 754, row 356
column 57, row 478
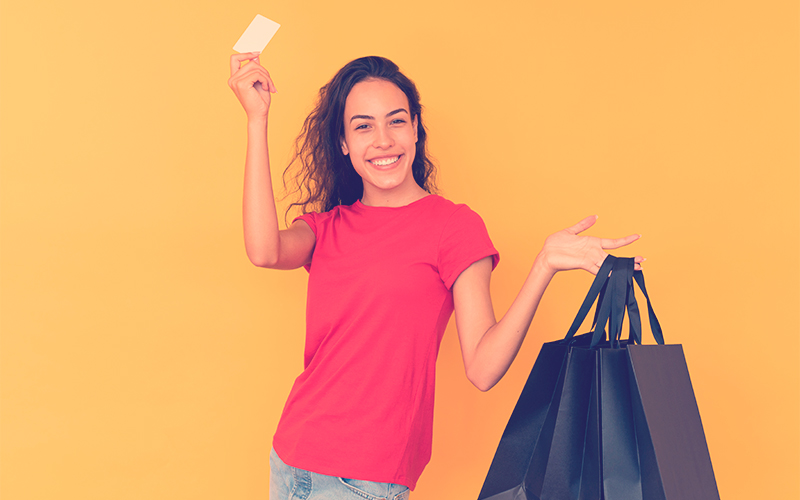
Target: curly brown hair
column 320, row 175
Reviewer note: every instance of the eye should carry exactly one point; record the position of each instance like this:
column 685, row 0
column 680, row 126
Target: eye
column 398, row 121
column 362, row 126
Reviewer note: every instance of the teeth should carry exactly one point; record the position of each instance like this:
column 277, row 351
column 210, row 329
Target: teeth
column 385, row 161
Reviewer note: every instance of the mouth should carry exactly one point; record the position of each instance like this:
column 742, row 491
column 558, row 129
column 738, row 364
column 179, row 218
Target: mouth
column 385, row 162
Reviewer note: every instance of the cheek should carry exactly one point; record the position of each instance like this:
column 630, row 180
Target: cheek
column 355, row 143
column 412, row 154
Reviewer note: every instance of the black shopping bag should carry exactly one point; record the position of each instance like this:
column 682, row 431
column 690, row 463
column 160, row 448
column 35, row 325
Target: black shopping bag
column 672, row 445
column 604, row 418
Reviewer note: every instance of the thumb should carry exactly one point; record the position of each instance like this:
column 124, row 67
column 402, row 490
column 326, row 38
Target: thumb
column 583, row 225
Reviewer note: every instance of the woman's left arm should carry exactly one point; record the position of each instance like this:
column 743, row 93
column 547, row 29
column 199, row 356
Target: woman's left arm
column 489, row 346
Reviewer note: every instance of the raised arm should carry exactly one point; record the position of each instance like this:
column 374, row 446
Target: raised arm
column 266, row 245
column 489, row 346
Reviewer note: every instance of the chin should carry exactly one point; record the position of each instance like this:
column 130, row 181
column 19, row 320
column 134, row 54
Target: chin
column 389, row 180
column 387, row 186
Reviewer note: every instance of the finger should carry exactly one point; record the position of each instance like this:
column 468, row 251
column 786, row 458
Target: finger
column 266, row 84
column 271, row 87
column 618, row 242
column 249, row 75
column 583, row 225
column 264, row 78
column 236, row 60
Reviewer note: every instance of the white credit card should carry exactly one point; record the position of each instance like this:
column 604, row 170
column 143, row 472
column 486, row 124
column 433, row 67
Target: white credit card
column 256, row 37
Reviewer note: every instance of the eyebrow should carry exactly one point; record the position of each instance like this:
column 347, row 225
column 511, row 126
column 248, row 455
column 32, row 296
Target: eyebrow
column 368, row 117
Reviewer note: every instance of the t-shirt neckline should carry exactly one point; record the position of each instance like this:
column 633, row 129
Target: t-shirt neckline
column 360, row 206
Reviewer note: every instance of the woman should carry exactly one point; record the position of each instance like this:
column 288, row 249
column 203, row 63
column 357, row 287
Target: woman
column 389, row 262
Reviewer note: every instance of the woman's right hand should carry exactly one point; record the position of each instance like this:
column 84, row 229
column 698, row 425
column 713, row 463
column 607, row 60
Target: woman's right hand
column 568, row 249
column 252, row 84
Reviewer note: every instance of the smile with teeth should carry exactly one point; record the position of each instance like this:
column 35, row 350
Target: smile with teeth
column 382, row 162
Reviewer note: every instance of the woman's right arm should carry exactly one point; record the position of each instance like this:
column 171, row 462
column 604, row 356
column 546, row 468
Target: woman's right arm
column 266, row 245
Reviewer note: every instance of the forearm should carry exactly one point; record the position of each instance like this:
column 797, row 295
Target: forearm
column 261, row 232
column 499, row 345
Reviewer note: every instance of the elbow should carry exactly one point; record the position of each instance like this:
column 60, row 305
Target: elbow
column 262, row 252
column 263, row 263
column 262, row 259
column 482, row 382
column 483, row 386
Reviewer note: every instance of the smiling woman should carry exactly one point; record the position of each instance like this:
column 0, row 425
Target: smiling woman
column 389, row 262
column 381, row 150
column 354, row 94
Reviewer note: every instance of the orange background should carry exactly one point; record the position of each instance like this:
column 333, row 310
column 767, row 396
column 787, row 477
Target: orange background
column 144, row 357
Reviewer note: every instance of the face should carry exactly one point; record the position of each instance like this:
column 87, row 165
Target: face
column 380, row 136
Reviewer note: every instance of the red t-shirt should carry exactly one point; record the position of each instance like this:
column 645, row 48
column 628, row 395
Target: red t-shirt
column 379, row 299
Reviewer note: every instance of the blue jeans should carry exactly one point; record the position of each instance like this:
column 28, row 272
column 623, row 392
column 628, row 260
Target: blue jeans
column 290, row 483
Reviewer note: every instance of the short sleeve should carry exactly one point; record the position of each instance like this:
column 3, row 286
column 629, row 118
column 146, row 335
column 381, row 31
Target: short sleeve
column 310, row 219
column 464, row 241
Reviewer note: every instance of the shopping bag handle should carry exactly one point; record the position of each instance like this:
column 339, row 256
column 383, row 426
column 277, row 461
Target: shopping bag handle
column 655, row 326
column 613, row 284
column 599, row 280
column 622, row 297
column 611, row 310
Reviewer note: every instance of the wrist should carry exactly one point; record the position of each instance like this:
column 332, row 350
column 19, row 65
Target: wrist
column 256, row 123
column 542, row 266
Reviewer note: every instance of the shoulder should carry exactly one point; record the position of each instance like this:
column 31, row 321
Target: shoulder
column 458, row 222
column 315, row 219
column 456, row 215
column 448, row 210
column 464, row 240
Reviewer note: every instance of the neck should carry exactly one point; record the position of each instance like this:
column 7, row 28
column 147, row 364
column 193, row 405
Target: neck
column 394, row 197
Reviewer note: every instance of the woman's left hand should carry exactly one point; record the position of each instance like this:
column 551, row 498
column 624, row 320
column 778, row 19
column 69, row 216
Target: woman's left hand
column 567, row 250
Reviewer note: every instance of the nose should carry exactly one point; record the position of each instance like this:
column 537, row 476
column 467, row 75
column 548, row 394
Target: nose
column 383, row 138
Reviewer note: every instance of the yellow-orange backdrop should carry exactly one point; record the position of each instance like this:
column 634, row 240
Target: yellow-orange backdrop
column 144, row 357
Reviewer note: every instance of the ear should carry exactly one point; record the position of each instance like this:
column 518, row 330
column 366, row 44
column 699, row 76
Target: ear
column 345, row 151
column 415, row 128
